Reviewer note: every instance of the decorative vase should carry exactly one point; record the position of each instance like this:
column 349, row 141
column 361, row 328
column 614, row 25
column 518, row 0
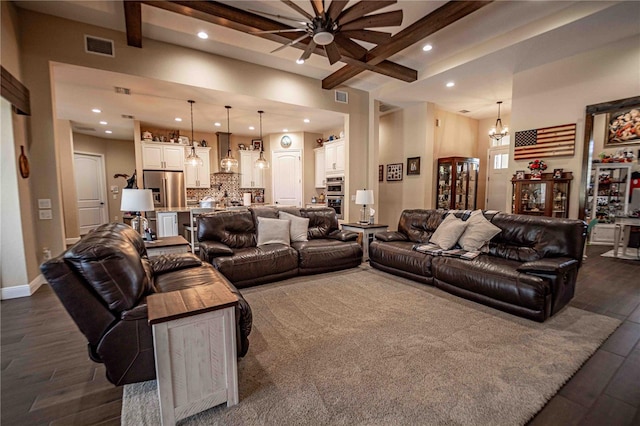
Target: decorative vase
column 536, row 174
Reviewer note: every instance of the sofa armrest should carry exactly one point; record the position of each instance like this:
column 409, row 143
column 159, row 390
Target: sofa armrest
column 548, row 266
column 211, row 249
column 136, row 313
column 341, row 235
column 390, row 236
column 173, row 262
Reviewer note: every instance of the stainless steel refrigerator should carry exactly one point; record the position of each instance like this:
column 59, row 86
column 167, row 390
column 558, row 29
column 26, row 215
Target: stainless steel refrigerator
column 168, row 190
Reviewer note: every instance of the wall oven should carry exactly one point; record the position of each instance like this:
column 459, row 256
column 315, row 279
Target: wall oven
column 336, row 202
column 335, row 185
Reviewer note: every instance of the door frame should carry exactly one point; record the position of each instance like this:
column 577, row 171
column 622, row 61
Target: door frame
column 103, row 184
column 273, row 181
column 493, row 150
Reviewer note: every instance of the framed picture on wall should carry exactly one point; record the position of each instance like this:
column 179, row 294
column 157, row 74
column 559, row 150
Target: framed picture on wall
column 380, row 173
column 623, row 127
column 413, row 166
column 256, row 144
column 519, row 174
column 394, row 172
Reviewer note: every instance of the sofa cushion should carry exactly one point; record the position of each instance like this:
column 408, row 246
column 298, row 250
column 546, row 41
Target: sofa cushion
column 447, row 233
column 273, row 231
column 325, row 253
column 322, row 222
column 478, row 232
column 298, row 227
column 254, row 262
column 419, row 225
column 401, row 255
column 235, row 229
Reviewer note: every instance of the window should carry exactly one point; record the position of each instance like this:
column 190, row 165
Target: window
column 506, row 140
column 501, row 161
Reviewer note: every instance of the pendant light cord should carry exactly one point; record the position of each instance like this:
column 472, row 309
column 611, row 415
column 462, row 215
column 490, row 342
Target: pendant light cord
column 261, row 141
column 228, row 132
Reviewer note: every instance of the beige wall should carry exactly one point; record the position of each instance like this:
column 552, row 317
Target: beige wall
column 557, row 93
column 9, row 39
column 157, row 60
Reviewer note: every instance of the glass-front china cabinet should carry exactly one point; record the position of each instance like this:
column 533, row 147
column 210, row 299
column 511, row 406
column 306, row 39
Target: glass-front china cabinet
column 547, row 196
column 457, row 183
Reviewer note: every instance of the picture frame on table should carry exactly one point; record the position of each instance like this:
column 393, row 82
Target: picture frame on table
column 256, row 144
column 519, row 174
column 623, row 127
column 381, row 173
column 413, row 166
column 557, row 173
column 394, row 172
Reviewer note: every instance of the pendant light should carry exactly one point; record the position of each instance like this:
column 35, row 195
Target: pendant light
column 228, row 162
column 499, row 131
column 261, row 162
column 193, row 159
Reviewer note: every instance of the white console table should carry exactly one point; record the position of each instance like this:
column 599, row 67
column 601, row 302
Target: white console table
column 623, row 225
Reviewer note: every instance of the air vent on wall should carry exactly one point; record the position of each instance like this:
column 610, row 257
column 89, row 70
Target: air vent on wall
column 342, row 97
column 464, row 111
column 127, row 116
column 98, row 46
column 84, row 129
column 122, row 90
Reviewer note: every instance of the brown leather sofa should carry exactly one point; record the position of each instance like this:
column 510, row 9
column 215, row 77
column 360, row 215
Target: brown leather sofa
column 103, row 282
column 530, row 268
column 228, row 241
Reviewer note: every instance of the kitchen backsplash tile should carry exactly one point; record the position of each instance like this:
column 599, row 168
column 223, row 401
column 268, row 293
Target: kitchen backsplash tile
column 221, row 182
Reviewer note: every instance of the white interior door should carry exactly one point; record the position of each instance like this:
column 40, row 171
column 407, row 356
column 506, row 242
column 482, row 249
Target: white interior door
column 498, row 179
column 286, row 172
column 91, row 191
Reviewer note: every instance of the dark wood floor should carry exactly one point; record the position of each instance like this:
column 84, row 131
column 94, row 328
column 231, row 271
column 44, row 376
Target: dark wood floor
column 47, row 377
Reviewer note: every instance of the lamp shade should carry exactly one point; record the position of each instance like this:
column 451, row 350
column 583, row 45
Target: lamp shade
column 364, row 196
column 136, row 200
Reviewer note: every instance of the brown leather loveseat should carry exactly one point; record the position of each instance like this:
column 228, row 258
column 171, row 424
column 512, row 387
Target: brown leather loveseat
column 528, row 269
column 229, row 241
column 103, row 282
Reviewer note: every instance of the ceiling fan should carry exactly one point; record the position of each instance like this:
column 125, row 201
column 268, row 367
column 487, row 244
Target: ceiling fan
column 335, row 26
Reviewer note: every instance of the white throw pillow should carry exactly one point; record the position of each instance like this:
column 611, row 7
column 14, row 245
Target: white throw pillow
column 299, row 226
column 448, row 232
column 478, row 232
column 273, row 231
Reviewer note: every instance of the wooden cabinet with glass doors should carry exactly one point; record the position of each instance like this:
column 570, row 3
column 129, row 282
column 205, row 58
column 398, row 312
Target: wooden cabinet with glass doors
column 542, row 197
column 457, row 183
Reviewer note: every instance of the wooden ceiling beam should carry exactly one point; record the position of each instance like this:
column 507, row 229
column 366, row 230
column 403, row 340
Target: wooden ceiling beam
column 133, row 22
column 247, row 22
column 438, row 19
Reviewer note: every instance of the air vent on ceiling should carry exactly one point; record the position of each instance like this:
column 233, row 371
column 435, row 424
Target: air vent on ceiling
column 464, row 111
column 98, row 46
column 342, row 97
column 84, row 129
column 386, row 107
column 127, row 116
column 122, row 90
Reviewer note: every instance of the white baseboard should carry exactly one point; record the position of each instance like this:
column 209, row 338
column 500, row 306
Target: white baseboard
column 25, row 290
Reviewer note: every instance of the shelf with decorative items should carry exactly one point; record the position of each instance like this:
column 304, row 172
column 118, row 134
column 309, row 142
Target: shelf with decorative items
column 546, row 194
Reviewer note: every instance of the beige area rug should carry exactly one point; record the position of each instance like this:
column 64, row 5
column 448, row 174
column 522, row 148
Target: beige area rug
column 632, row 254
column 365, row 347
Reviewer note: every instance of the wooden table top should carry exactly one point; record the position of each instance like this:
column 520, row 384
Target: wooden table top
column 191, row 301
column 177, row 240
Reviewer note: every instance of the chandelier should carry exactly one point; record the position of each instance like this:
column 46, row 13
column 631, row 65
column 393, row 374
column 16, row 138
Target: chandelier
column 193, row 159
column 498, row 131
column 261, row 162
column 228, row 162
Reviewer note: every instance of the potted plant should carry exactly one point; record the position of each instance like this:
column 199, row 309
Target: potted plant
column 537, row 167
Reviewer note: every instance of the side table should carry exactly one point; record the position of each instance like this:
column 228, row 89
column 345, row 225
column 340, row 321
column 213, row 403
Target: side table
column 625, row 223
column 368, row 232
column 167, row 245
column 194, row 342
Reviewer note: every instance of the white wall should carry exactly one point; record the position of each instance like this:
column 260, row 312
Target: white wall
column 557, row 93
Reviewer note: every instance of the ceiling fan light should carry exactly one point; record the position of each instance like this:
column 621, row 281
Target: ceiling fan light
column 300, row 61
column 323, row 38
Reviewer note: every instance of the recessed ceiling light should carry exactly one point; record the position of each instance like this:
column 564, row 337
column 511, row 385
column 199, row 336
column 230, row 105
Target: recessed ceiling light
column 178, row 119
column 299, row 61
column 108, row 132
column 306, row 120
column 104, row 123
column 450, row 84
column 217, row 124
column 203, row 35
column 96, row 110
column 427, row 47
column 251, row 128
column 285, row 130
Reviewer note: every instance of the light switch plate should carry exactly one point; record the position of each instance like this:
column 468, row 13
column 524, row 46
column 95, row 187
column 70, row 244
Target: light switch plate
column 115, row 189
column 45, row 214
column 44, row 203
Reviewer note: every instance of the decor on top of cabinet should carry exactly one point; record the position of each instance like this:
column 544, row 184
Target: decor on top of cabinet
column 537, row 167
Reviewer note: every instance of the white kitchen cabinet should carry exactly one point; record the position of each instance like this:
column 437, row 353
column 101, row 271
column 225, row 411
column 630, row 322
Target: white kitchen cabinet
column 334, row 157
column 250, row 175
column 198, row 176
column 162, row 156
column 167, row 223
column 318, row 155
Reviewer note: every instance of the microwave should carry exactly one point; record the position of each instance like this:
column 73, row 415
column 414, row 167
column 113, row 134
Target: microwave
column 335, row 185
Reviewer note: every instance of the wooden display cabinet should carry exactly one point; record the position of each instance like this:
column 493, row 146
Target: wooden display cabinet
column 457, row 183
column 542, row 197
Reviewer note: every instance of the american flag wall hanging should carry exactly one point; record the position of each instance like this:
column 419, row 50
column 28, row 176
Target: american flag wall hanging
column 553, row 141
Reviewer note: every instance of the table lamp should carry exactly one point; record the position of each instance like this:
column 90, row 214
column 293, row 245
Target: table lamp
column 364, row 197
column 137, row 200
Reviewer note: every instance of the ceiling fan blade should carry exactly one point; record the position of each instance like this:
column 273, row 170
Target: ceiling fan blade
column 387, row 19
column 335, row 8
column 362, row 8
column 298, row 9
column 375, row 37
column 288, row 18
column 352, row 48
column 332, row 52
column 318, row 7
column 296, row 30
column 291, row 43
column 309, row 50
